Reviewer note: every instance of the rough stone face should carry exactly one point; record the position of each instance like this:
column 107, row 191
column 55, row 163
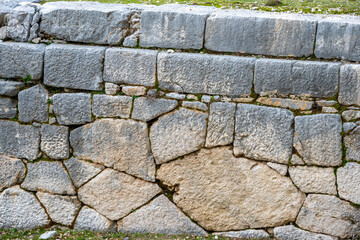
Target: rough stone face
column 202, row 73
column 72, row 108
column 115, row 194
column 317, row 139
column 280, row 168
column 314, row 179
column 348, row 127
column 134, row 90
column 130, row 66
column 33, row 105
column 348, row 182
column 260, row 33
column 111, row 106
column 55, row 141
column 350, row 115
column 21, row 141
column 195, row 105
column 160, row 216
column 90, row 220
column 19, row 60
column 177, row 133
column 111, row 88
column 290, row 232
column 222, row 192
column 19, row 23
column 116, row 143
column 10, row 88
column 329, row 215
column 81, row 171
column 296, row 160
column 12, row 171
column 62, row 209
column 350, row 84
column 286, row 103
column 221, row 124
column 246, row 234
column 302, row 78
column 252, row 127
column 74, row 66
column 8, row 108
column 48, row 177
column 352, row 143
column 146, row 109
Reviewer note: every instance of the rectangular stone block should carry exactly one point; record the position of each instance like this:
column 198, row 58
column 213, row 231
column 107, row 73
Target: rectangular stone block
column 111, row 106
column 260, row 33
column 7, row 108
column 33, row 104
column 10, row 88
column 55, row 141
column 209, row 74
column 74, row 66
column 349, row 93
column 19, row 60
column 302, row 78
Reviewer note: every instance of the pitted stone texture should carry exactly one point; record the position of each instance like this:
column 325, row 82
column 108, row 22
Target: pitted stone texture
column 160, row 216
column 116, row 143
column 55, row 141
column 12, row 172
column 246, row 234
column 280, row 168
column 252, row 127
column 314, row 179
column 111, row 88
column 251, row 32
column 221, row 124
column 350, row 115
column 146, row 109
column 286, row 103
column 74, row 66
column 19, row 23
column 130, row 66
column 72, row 108
column 19, row 60
column 21, row 141
column 48, row 177
column 115, row 194
column 111, row 106
column 255, row 196
column 329, row 215
column 90, row 220
column 348, row 182
column 33, row 105
column 134, row 90
column 302, row 78
column 178, row 133
column 352, row 144
column 62, row 209
column 290, row 232
column 20, row 209
column 81, row 171
column 10, row 88
column 195, row 105
column 350, row 84
column 202, row 73
column 317, row 139
column 8, row 108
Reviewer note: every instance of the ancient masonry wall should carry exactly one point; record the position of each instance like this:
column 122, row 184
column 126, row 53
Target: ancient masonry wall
column 179, row 119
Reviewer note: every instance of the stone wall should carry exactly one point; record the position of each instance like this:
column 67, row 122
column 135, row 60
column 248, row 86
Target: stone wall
column 139, row 118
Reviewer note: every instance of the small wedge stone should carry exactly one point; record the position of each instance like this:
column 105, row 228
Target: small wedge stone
column 12, row 172
column 90, row 220
column 146, row 109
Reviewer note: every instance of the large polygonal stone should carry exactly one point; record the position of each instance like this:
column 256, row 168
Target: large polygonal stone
column 10, row 88
column 90, row 220
column 12, row 171
column 348, row 181
column 146, row 109
column 20, row 22
column 289, row 232
column 33, row 104
column 350, row 84
column 8, row 108
column 352, row 144
column 222, row 192
column 55, row 141
column 111, row 106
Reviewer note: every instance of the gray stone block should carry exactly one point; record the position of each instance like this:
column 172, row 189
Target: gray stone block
column 14, row 3
column 21, row 59
column 74, row 66
column 7, row 108
column 350, row 84
column 33, row 105
column 286, row 77
column 12, row 172
column 55, row 141
column 289, row 232
column 146, row 109
column 246, row 234
column 111, row 106
column 352, row 144
column 210, row 74
column 4, row 10
column 348, row 182
column 195, row 105
column 19, row 23
column 260, row 33
column 10, row 88
column 90, row 220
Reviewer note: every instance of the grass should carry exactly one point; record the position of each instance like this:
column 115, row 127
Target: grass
column 302, row 6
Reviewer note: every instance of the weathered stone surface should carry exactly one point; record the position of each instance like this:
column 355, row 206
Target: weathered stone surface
column 286, row 103
column 146, row 109
column 265, row 33
column 72, row 108
column 176, row 96
column 202, row 73
column 280, row 168
column 19, row 60
column 48, row 235
column 222, row 192
column 246, row 234
column 134, row 90
column 326, row 103
column 290, row 232
column 81, row 171
column 111, row 106
column 10, row 88
column 33, row 105
column 350, row 84
column 74, row 66
column 130, row 66
column 160, row 216
column 195, row 105
column 317, row 139
column 20, row 209
column 221, row 124
column 178, row 133
column 117, row 143
column 348, row 182
column 111, row 88
column 20, row 23
column 90, row 220
column 12, row 171
column 296, row 160
column 252, row 128
column 350, row 115
column 62, row 209
column 115, row 194
column 48, row 177
column 8, row 108
column 329, row 215
column 3, row 34
column 55, row 141
column 302, row 78
column 21, row 141
column 352, row 144
column 14, row 3
column 329, row 110
column 348, row 127
column 314, row 179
